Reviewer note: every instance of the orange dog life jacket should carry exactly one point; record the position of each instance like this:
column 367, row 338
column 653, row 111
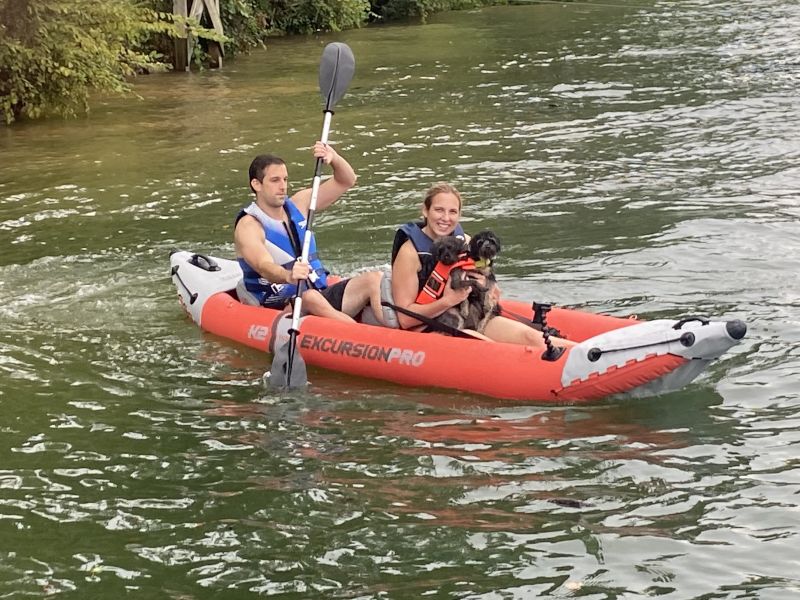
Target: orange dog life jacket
column 434, row 287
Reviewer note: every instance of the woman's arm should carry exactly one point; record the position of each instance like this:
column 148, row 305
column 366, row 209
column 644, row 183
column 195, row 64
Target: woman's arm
column 405, row 289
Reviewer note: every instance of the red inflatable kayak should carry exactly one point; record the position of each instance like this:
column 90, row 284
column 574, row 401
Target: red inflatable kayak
column 613, row 356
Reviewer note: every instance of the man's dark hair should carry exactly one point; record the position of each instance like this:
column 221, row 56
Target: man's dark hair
column 259, row 164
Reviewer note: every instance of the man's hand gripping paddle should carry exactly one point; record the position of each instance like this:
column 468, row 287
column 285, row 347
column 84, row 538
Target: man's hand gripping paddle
column 335, row 73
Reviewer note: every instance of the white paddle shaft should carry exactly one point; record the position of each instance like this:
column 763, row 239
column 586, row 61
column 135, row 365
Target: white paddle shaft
column 298, row 303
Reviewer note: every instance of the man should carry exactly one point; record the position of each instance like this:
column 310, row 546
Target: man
column 269, row 238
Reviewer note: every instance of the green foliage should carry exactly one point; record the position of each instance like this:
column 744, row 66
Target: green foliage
column 245, row 22
column 248, row 23
column 53, row 53
column 179, row 27
column 308, row 16
column 390, row 10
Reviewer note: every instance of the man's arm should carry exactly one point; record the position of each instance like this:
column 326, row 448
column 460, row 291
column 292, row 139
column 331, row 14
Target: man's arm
column 344, row 177
column 250, row 245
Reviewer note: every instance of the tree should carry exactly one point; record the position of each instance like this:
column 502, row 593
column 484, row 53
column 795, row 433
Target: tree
column 54, row 53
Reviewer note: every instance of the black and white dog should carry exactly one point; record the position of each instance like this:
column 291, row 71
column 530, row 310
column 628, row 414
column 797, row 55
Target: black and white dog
column 481, row 304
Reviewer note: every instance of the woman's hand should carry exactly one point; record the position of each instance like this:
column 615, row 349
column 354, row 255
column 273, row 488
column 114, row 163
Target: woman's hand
column 451, row 296
column 478, row 278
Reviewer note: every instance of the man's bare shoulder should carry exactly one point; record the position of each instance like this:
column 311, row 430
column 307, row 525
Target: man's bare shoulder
column 247, row 227
column 302, row 200
column 245, row 222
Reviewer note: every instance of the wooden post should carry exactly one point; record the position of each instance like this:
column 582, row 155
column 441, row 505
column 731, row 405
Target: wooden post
column 215, row 49
column 184, row 46
column 215, row 54
column 181, row 58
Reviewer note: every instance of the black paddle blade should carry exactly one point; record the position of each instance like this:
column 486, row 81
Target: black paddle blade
column 288, row 372
column 336, row 70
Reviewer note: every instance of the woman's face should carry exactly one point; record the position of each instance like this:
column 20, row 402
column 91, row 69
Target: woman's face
column 443, row 215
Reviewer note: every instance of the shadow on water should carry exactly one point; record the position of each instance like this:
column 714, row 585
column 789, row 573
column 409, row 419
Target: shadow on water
column 444, row 436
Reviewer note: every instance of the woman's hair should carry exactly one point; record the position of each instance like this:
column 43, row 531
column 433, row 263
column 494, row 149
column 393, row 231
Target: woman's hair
column 441, row 187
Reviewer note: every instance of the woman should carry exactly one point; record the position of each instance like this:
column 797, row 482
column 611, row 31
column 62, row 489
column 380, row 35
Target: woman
column 412, row 264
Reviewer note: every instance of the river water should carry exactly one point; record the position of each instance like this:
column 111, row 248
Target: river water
column 641, row 158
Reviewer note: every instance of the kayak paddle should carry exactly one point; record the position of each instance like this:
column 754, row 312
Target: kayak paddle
column 336, row 70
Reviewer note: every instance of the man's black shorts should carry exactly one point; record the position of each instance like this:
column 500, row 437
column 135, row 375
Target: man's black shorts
column 334, row 294
column 276, row 302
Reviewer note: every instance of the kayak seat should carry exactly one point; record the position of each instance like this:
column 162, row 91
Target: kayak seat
column 389, row 314
column 244, row 295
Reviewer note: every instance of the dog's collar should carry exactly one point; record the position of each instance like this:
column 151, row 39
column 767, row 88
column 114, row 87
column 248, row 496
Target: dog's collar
column 483, row 263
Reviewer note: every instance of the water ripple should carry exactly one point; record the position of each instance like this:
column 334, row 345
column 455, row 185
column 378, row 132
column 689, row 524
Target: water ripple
column 634, row 160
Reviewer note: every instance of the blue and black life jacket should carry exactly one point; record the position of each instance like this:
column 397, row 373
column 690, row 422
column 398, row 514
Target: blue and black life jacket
column 422, row 244
column 284, row 244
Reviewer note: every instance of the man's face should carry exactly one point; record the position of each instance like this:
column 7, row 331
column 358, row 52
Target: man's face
column 273, row 187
